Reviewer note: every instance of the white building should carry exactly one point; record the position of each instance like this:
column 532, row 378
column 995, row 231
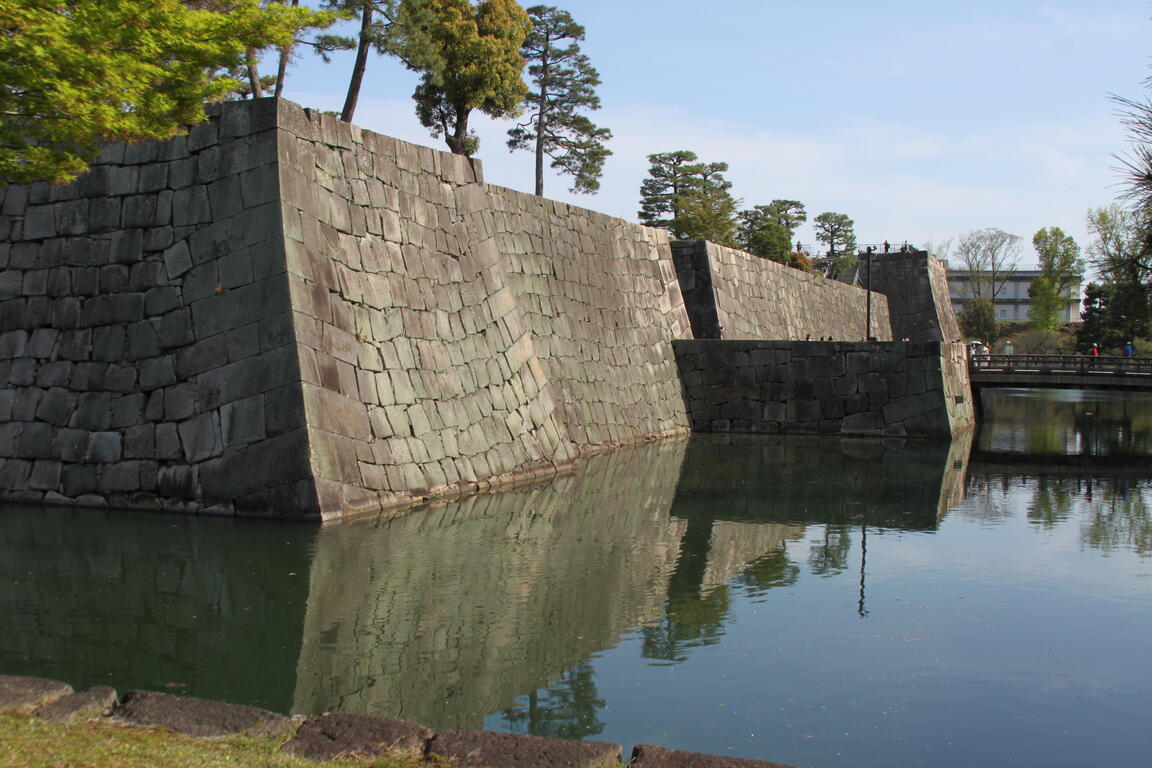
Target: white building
column 1012, row 302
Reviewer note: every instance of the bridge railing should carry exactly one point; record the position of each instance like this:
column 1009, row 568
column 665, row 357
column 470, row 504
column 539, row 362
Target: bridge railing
column 1057, row 364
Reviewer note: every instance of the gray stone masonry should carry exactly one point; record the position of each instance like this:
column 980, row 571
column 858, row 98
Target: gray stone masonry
column 730, row 294
column 281, row 314
column 852, row 388
column 916, row 285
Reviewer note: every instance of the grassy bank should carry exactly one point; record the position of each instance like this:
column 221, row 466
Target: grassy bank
column 26, row 742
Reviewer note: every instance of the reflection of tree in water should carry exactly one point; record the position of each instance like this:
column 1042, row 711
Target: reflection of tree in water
column 691, row 616
column 566, row 709
column 1051, row 502
column 986, row 498
column 774, row 569
column 1120, row 519
column 829, row 556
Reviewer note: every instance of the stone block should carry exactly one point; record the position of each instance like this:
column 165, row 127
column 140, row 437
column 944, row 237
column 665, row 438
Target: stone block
column 200, row 437
column 93, row 702
column 186, row 714
column 242, row 422
column 506, row 750
column 28, row 693
column 104, row 448
column 339, row 735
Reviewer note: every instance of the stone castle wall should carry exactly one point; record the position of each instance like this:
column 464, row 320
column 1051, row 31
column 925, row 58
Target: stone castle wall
column 851, row 388
column 731, row 294
column 281, row 314
column 920, row 304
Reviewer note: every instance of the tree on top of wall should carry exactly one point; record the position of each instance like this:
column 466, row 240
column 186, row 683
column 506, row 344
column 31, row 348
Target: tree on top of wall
column 838, row 233
column 75, row 74
column 563, row 84
column 474, row 64
column 689, row 198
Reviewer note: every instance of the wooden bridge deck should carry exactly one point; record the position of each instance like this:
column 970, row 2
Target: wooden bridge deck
column 1061, row 372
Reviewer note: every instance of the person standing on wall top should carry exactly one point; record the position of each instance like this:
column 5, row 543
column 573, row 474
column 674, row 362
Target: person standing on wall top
column 886, row 246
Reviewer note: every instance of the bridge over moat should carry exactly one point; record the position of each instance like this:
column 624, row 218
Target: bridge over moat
column 1060, row 372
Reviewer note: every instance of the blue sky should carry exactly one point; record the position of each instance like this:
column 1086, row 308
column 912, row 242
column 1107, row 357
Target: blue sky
column 919, row 120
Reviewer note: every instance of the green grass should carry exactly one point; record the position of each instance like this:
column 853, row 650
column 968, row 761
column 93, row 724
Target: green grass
column 26, row 742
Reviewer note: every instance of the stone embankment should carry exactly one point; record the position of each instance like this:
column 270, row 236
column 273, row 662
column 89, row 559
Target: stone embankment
column 280, row 314
column 335, row 735
column 895, row 389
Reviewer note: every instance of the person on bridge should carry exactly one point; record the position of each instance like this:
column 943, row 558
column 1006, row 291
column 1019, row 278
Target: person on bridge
column 1095, row 350
column 1129, row 350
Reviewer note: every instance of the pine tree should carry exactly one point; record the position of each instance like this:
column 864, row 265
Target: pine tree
column 688, row 198
column 563, row 82
column 767, row 230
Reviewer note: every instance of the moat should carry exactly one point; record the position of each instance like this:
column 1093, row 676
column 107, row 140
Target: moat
column 818, row 602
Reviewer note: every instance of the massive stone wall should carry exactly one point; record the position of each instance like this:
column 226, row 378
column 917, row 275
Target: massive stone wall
column 453, row 335
column 731, row 294
column 281, row 314
column 146, row 346
column 853, row 388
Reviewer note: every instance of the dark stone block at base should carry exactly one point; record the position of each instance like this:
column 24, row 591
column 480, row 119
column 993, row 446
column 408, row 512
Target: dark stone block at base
column 340, row 735
column 30, row 692
column 196, row 717
column 506, row 750
column 647, row 756
column 97, row 701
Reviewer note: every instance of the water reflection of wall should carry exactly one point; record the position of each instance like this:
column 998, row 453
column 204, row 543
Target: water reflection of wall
column 1066, row 422
column 137, row 600
column 896, row 483
column 447, row 616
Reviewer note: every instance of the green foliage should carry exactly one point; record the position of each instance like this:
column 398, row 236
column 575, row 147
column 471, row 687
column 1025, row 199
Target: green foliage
column 670, row 174
column 1045, row 304
column 767, row 230
column 75, row 73
column 838, row 233
column 388, row 27
column 1113, row 314
column 471, row 62
column 689, row 198
column 707, row 213
column 1117, row 249
column 978, row 321
column 768, row 240
column 1061, row 269
column 563, row 83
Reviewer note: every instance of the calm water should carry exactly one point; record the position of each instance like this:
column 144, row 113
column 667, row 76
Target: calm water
column 818, row 602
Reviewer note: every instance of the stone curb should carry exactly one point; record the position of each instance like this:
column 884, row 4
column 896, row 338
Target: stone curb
column 336, row 735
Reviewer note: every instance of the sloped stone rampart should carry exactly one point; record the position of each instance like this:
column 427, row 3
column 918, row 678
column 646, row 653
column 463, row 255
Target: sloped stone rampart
column 453, row 335
column 862, row 388
column 917, row 286
column 280, row 314
column 731, row 294
column 147, row 352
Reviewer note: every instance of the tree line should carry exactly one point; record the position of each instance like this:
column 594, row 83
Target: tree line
column 693, row 200
column 75, row 74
